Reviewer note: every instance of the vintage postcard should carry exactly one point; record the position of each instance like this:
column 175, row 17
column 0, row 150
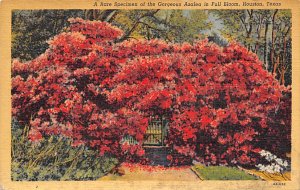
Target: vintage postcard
column 150, row 94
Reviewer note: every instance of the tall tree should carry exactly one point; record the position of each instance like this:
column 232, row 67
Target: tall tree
column 265, row 32
column 282, row 46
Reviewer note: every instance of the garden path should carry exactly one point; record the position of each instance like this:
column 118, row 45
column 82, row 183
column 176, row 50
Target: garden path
column 140, row 172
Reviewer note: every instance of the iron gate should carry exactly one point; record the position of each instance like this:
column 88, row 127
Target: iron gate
column 155, row 135
column 156, row 132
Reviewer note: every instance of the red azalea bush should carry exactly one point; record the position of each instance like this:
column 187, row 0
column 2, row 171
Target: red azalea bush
column 220, row 102
column 277, row 138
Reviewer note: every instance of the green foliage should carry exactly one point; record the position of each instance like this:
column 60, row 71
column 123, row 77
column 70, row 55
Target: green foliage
column 187, row 25
column 32, row 28
column 222, row 173
column 170, row 25
column 55, row 159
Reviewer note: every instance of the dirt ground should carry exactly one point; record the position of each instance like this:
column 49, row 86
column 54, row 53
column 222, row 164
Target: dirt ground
column 270, row 177
column 137, row 172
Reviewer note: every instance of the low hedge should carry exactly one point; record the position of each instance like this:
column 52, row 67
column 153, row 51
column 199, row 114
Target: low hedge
column 54, row 158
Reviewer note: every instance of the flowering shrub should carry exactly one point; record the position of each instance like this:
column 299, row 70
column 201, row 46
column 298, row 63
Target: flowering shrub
column 275, row 164
column 277, row 137
column 60, row 92
column 96, row 91
column 218, row 100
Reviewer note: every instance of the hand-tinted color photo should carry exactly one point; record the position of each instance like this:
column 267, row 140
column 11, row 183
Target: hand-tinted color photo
column 186, row 95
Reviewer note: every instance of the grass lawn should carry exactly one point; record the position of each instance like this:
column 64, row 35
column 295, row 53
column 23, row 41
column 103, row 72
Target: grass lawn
column 221, row 173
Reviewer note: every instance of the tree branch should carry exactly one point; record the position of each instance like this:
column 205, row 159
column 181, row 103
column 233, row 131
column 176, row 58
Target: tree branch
column 128, row 33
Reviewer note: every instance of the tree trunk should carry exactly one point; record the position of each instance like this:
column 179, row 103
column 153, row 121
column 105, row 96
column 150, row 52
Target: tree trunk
column 282, row 76
column 275, row 66
column 284, row 64
column 249, row 31
column 273, row 41
column 266, row 63
column 258, row 38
